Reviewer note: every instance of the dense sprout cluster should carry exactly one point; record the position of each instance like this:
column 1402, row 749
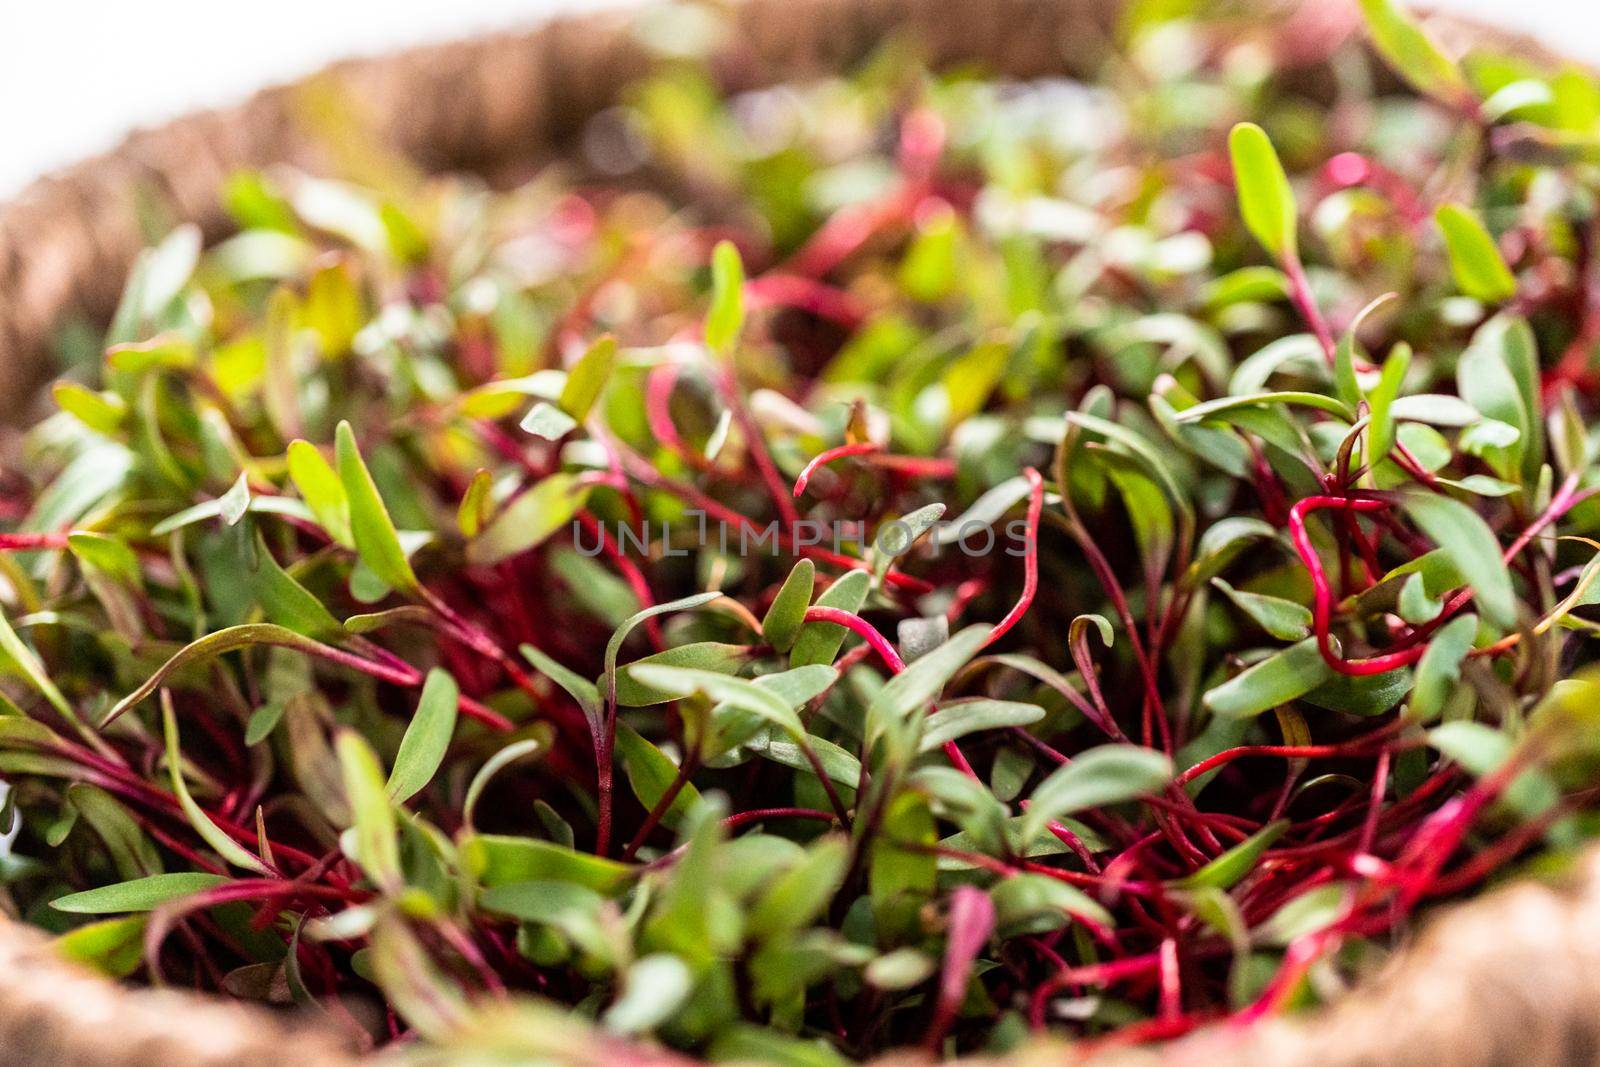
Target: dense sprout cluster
column 908, row 559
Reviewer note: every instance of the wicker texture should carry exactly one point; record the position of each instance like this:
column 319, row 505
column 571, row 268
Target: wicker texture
column 1513, row 978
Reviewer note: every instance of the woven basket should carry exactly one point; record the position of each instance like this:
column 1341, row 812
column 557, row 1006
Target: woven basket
column 1512, row 978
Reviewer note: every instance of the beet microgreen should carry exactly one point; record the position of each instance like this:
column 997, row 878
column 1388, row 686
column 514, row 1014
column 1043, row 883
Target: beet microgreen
column 1040, row 556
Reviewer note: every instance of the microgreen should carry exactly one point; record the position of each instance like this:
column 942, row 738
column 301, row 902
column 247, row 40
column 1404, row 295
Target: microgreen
column 906, row 560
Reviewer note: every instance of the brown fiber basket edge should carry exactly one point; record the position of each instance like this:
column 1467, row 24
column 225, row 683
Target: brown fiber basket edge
column 1512, row 979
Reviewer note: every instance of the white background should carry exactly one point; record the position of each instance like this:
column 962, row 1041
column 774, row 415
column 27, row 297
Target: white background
column 75, row 74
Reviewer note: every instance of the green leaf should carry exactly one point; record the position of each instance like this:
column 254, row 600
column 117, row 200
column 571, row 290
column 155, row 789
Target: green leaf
column 285, row 601
column 1381, row 428
column 477, row 504
column 1475, row 259
column 1415, row 605
column 588, row 377
column 1265, row 199
column 1109, row 774
column 376, row 835
column 114, row 947
column 1283, row 619
column 547, row 421
column 1467, row 542
column 738, row 692
column 801, row 895
column 620, row 635
column 1482, row 749
column 376, row 540
column 427, row 737
column 1222, row 543
column 211, row 646
column 1440, row 666
column 819, row 642
column 1022, row 899
column 653, row 988
column 213, row 835
column 930, row 268
column 140, row 894
column 781, row 624
column 130, row 848
column 700, row 655
column 109, row 555
column 321, row 489
column 1228, row 868
column 651, row 774
column 33, row 670
column 896, row 537
column 1222, row 405
column 1412, row 54
column 839, row 765
column 497, row 860
column 572, row 909
column 1276, row 680
column 1498, row 374
column 530, row 519
column 101, row 412
column 233, row 504
column 903, row 868
column 725, row 318
column 960, row 718
column 902, row 701
column 1305, row 914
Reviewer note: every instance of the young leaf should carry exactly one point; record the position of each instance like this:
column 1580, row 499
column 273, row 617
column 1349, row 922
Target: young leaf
column 213, row 835
column 587, row 378
column 547, row 421
column 530, row 519
column 738, row 692
column 497, row 860
column 1381, row 428
column 1228, row 868
column 114, row 947
column 1412, row 54
column 960, row 718
column 819, row 642
column 1283, row 619
column 725, row 318
column 285, row 601
column 903, row 870
column 650, row 774
column 427, row 737
column 1440, row 667
column 652, row 989
column 781, row 624
column 1475, row 259
column 376, row 540
column 321, row 489
column 1025, row 898
column 1109, row 774
column 801, row 895
column 1265, row 199
column 614, row 646
column 906, row 696
column 235, row 502
column 476, row 505
column 1278, row 679
column 1471, row 546
column 139, row 894
column 376, row 836
column 701, row 655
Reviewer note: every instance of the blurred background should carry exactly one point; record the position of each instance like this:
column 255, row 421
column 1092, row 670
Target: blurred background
column 76, row 74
